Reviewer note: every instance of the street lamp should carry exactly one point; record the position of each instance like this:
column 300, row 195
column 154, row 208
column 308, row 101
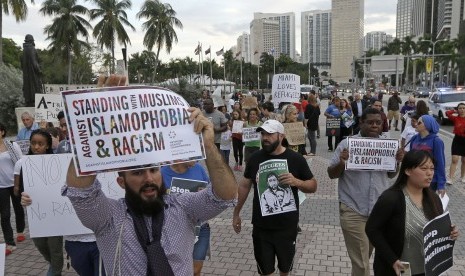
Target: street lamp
column 432, row 69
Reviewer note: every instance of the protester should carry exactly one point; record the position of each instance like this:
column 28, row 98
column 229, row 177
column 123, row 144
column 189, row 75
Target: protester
column 358, row 105
column 29, row 126
column 237, row 144
column 409, row 131
column 405, row 111
column 346, row 121
column 274, row 235
column 378, row 105
column 218, row 119
column 193, row 171
column 51, row 248
column 225, row 144
column 421, row 108
column 358, row 192
column 290, row 116
column 428, row 139
column 128, row 252
column 395, row 225
column 333, row 112
column 10, row 153
column 312, row 114
column 268, row 112
column 457, row 116
column 251, row 146
column 393, row 109
column 318, row 102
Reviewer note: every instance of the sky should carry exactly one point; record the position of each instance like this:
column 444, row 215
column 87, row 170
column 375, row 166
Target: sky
column 215, row 23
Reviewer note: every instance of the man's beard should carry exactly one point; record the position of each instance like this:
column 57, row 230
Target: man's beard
column 269, row 148
column 149, row 207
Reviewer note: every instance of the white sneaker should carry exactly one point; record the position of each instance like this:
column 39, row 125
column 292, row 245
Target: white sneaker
column 448, row 181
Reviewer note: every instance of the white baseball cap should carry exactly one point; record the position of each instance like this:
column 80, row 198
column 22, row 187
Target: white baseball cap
column 271, row 126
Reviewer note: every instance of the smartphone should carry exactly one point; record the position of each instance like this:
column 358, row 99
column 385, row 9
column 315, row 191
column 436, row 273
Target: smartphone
column 406, row 271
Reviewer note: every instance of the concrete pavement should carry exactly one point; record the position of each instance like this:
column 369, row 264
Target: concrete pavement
column 320, row 246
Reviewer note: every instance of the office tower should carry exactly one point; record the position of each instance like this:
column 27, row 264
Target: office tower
column 316, row 38
column 286, row 30
column 346, row 37
column 264, row 37
column 458, row 16
column 444, row 19
column 404, row 18
column 376, row 40
column 243, row 47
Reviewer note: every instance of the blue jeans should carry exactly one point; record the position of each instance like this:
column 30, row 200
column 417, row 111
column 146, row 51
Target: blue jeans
column 225, row 154
column 84, row 257
column 203, row 243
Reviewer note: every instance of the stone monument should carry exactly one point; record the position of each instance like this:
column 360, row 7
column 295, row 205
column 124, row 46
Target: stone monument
column 32, row 75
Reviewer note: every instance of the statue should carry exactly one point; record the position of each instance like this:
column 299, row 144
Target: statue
column 32, row 75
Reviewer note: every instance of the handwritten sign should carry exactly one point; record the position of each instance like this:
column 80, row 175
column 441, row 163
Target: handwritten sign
column 286, row 88
column 2, row 259
column 47, row 107
column 43, row 178
column 126, row 127
column 333, row 126
column 182, row 185
column 250, row 134
column 372, row 154
column 249, row 102
column 237, row 126
column 438, row 246
column 24, row 146
column 295, row 133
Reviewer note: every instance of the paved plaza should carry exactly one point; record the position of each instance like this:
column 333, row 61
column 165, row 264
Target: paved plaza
column 320, row 246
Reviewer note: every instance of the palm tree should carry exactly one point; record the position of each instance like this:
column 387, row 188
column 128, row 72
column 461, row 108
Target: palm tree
column 67, row 25
column 18, row 8
column 159, row 27
column 392, row 48
column 111, row 27
column 408, row 46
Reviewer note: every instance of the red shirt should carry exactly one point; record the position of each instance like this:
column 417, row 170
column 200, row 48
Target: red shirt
column 459, row 122
column 304, row 104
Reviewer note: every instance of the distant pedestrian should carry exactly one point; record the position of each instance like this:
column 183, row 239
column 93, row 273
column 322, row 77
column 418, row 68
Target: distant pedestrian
column 393, row 110
column 237, row 144
column 408, row 108
column 333, row 112
column 312, row 114
column 358, row 105
column 457, row 116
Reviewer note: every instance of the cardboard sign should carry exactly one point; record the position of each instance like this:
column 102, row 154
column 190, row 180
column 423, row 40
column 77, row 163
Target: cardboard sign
column 47, row 107
column 333, row 126
column 24, row 145
column 249, row 102
column 275, row 198
column 372, row 154
column 437, row 245
column 295, row 133
column 237, row 126
column 250, row 134
column 127, row 127
column 43, row 178
column 286, row 88
column 182, row 185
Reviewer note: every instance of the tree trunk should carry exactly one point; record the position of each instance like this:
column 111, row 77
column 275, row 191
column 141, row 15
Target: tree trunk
column 112, row 66
column 69, row 66
column 156, row 64
column 1, row 33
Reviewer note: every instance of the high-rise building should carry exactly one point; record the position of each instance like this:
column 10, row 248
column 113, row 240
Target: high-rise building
column 347, row 32
column 404, row 18
column 316, row 38
column 376, row 40
column 458, row 16
column 444, row 19
column 286, row 30
column 264, row 37
column 243, row 46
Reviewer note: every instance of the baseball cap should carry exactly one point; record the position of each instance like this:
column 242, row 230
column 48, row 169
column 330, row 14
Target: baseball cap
column 271, row 126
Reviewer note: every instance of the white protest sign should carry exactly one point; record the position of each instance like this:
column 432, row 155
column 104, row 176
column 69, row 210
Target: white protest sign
column 250, row 134
column 295, row 133
column 2, row 259
column 50, row 213
column 126, row 127
column 372, row 154
column 47, row 107
column 286, row 88
column 24, row 146
column 237, row 126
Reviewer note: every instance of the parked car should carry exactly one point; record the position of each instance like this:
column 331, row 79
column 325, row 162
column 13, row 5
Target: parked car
column 441, row 101
column 421, row 92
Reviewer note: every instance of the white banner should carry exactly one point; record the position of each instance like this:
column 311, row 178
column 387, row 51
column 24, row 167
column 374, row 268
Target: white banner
column 47, row 107
column 286, row 88
column 50, row 213
column 372, row 154
column 126, row 127
column 250, row 134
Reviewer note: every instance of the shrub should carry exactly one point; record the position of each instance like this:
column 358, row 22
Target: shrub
column 11, row 96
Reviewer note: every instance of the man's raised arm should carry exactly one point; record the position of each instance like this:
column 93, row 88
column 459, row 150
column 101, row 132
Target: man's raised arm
column 222, row 178
column 73, row 180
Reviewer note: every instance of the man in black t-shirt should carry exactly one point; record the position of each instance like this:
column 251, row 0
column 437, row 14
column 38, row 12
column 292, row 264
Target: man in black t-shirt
column 274, row 234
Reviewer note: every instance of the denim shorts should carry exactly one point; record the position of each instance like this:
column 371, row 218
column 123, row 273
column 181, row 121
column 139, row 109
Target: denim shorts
column 203, row 243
